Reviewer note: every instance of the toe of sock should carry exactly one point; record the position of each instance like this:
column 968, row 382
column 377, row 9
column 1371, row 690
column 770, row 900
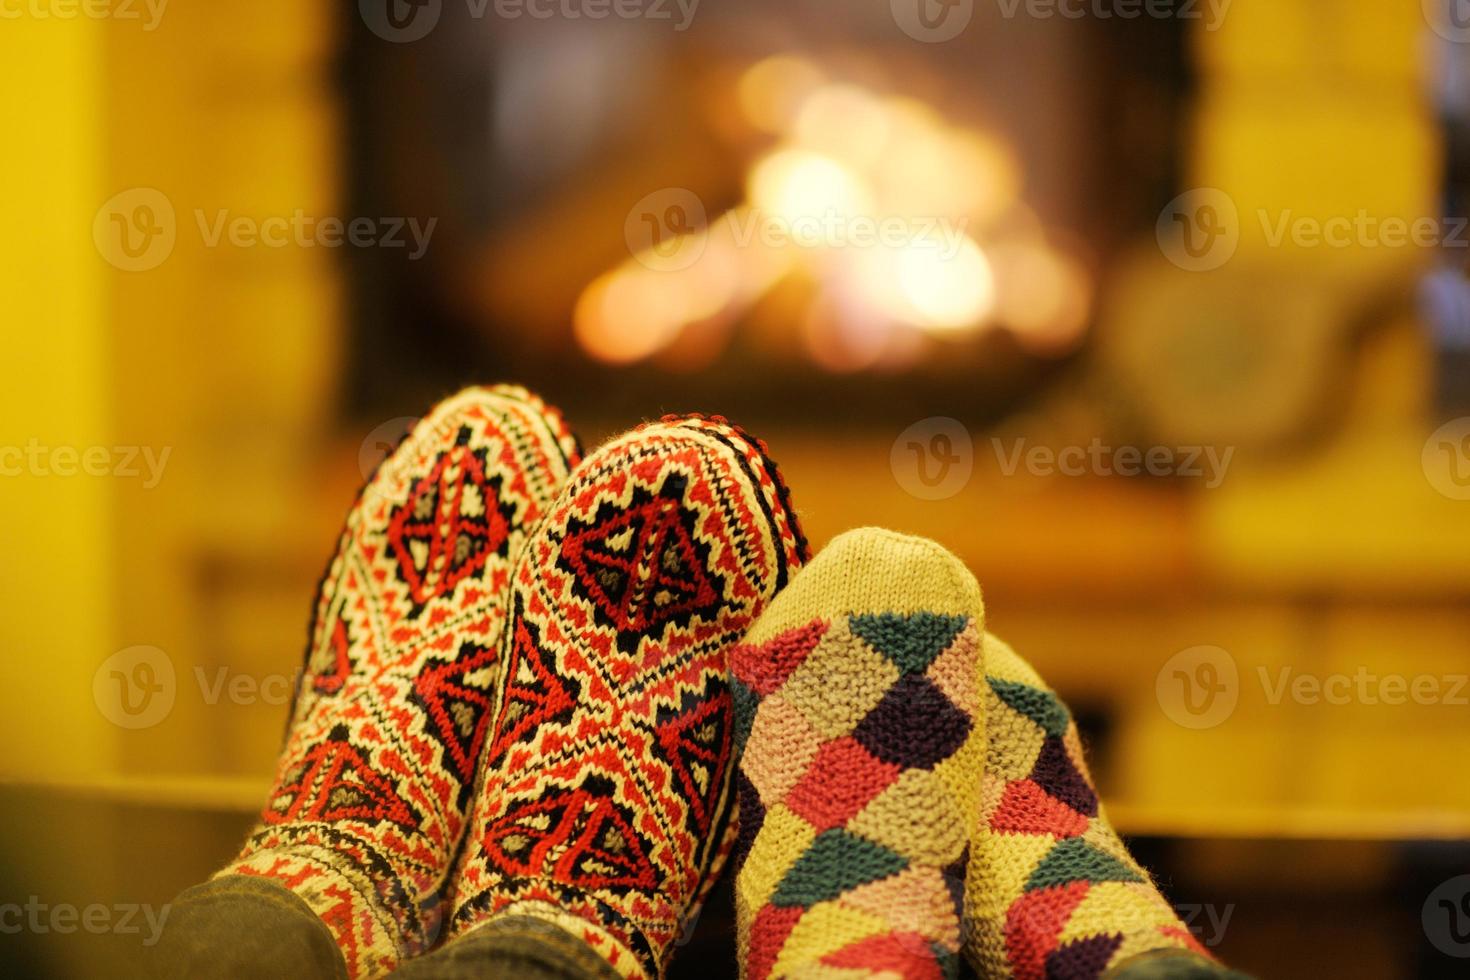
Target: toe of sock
column 874, row 570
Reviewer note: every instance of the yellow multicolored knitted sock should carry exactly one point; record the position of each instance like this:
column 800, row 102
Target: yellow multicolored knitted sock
column 1052, row 893
column 858, row 710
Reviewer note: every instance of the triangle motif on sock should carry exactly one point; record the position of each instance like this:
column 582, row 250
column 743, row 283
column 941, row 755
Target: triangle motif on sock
column 1058, row 775
column 1041, row 707
column 1082, row 959
column 602, row 847
column 1035, row 921
column 1073, row 860
column 516, row 844
column 452, row 521
column 330, row 681
column 694, row 742
column 1026, row 808
column 766, row 667
column 639, row 566
column 912, row 641
column 336, row 783
column 458, row 710
column 836, row 862
column 535, row 691
column 896, row 954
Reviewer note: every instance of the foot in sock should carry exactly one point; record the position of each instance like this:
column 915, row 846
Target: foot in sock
column 859, row 715
column 377, row 772
column 605, row 805
column 1052, row 893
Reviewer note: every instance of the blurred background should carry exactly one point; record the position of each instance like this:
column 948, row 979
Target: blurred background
column 1155, row 313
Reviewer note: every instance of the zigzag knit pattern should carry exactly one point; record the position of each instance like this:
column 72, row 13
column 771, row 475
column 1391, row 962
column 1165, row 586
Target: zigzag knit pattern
column 606, row 795
column 1052, row 892
column 858, row 716
column 375, row 779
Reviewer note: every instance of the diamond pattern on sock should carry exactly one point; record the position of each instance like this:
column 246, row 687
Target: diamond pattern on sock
column 1051, row 892
column 914, row 726
column 848, row 869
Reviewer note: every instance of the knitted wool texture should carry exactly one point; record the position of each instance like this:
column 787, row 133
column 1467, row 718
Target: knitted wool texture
column 859, row 717
column 606, row 800
column 376, row 775
column 1052, row 893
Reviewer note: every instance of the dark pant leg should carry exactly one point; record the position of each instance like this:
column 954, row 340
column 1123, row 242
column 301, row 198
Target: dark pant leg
column 1173, row 964
column 243, row 928
column 511, row 947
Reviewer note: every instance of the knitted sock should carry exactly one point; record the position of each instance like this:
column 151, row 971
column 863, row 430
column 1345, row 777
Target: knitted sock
column 1052, row 893
column 858, row 709
column 605, row 807
column 375, row 778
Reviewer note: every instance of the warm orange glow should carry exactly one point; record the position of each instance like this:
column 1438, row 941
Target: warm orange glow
column 877, row 200
column 792, row 186
column 844, row 122
column 1044, row 296
column 771, row 91
column 623, row 317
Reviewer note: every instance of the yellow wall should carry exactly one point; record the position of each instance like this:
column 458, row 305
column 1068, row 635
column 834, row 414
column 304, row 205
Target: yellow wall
column 56, row 600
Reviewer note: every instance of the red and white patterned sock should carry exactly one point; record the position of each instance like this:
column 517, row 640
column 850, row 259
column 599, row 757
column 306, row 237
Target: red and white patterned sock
column 606, row 799
column 377, row 773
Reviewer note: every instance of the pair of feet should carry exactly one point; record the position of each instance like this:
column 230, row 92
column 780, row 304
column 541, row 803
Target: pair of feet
column 912, row 795
column 514, row 696
column 543, row 686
